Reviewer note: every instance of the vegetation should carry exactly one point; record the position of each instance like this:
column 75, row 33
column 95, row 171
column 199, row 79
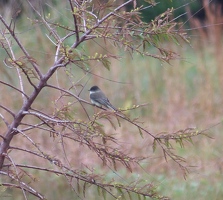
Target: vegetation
column 161, row 6
column 52, row 135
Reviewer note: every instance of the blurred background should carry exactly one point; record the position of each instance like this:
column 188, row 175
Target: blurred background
column 187, row 92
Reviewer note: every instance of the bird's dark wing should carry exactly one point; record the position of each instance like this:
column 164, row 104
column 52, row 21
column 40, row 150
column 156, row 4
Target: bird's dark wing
column 103, row 100
column 107, row 103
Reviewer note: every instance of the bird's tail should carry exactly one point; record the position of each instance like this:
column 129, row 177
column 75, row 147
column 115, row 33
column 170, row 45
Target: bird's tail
column 112, row 107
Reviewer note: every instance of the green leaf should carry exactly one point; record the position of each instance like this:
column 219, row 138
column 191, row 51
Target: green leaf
column 140, row 132
column 189, row 139
column 130, row 197
column 154, row 145
column 104, row 192
column 119, row 123
column 106, row 63
column 167, row 143
column 84, row 188
column 78, row 186
column 174, row 39
column 99, row 191
column 180, row 141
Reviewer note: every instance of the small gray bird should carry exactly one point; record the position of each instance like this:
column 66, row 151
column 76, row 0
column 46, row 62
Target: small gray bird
column 99, row 99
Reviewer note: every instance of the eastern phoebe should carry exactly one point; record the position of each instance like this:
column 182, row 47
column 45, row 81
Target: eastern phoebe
column 99, row 99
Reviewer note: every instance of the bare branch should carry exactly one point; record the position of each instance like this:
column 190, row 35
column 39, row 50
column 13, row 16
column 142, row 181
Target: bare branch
column 21, row 185
column 75, row 22
column 20, row 46
column 9, row 111
column 11, row 86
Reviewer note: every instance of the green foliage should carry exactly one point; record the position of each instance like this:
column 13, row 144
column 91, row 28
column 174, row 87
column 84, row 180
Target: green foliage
column 161, row 6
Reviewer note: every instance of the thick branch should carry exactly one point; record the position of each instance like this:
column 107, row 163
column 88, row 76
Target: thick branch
column 75, row 22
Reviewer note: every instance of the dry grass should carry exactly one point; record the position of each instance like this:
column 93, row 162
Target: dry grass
column 183, row 94
column 187, row 93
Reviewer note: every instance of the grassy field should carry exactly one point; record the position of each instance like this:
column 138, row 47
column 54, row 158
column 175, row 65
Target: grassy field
column 185, row 93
